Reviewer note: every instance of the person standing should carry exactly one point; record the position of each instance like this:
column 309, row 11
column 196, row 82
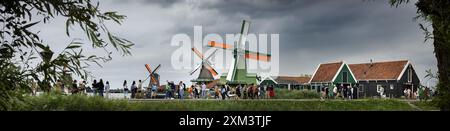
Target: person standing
column 139, row 90
column 172, row 89
column 74, row 89
column 94, row 87
column 107, row 87
column 271, row 92
column 227, row 91
column 223, row 91
column 355, row 92
column 238, row 91
column 167, row 89
column 125, row 89
column 82, row 87
column 101, row 87
column 197, row 91
column 190, row 89
column 335, row 91
column 181, row 89
column 133, row 90
column 154, row 89
column 349, row 92
column 262, row 91
column 203, row 90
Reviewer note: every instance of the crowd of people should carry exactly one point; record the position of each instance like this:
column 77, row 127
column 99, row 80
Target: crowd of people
column 422, row 93
column 99, row 88
column 201, row 91
column 339, row 92
column 196, row 91
column 251, row 91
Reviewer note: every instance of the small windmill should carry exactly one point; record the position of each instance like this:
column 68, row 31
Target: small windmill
column 237, row 73
column 207, row 72
column 154, row 77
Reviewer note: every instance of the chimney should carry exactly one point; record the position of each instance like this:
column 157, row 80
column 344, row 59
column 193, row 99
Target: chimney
column 371, row 63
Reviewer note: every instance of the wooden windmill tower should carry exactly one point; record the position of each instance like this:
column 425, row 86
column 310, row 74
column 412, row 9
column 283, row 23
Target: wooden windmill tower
column 154, row 77
column 237, row 73
column 207, row 72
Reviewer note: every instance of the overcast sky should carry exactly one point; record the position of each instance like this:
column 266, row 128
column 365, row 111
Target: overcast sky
column 311, row 32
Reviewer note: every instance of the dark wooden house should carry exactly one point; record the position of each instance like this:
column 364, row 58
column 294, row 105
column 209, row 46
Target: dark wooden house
column 392, row 76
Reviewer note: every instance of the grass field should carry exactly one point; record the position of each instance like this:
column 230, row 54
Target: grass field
column 84, row 103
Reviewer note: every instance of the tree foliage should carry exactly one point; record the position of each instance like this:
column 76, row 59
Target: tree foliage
column 19, row 45
column 437, row 14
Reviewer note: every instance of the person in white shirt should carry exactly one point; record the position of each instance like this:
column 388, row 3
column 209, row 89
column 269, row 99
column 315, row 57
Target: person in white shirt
column 335, row 91
column 140, row 92
column 203, row 90
column 107, row 89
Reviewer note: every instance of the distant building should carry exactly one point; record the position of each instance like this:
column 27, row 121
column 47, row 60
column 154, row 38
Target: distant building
column 287, row 82
column 332, row 74
column 392, row 76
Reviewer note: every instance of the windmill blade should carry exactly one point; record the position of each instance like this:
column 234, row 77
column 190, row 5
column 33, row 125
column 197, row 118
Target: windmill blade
column 147, row 66
column 257, row 56
column 212, row 70
column 244, row 32
column 219, row 45
column 156, row 69
column 195, row 69
column 199, row 54
column 150, row 71
column 210, row 55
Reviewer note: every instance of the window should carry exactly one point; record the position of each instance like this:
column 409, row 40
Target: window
column 409, row 75
column 344, row 77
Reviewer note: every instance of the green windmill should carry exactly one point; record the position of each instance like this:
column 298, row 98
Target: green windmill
column 237, row 73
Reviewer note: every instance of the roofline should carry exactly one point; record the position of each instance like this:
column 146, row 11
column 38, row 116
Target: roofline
column 377, row 80
column 339, row 70
column 312, row 77
column 351, row 72
column 379, row 62
column 268, row 77
column 404, row 69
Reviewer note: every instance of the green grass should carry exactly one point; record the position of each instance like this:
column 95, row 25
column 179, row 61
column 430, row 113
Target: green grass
column 426, row 105
column 84, row 103
column 296, row 94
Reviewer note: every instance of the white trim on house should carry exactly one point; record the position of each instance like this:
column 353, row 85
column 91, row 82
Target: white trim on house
column 354, row 78
column 312, row 77
column 339, row 70
column 270, row 78
column 404, row 69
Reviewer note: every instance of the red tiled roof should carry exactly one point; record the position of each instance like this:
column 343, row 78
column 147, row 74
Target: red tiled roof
column 292, row 79
column 326, row 72
column 378, row 70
